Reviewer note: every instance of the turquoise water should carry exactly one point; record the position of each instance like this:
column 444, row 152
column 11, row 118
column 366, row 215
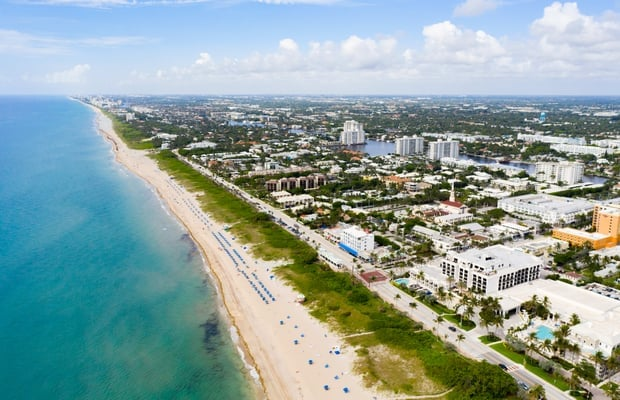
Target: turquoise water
column 402, row 281
column 544, row 332
column 102, row 293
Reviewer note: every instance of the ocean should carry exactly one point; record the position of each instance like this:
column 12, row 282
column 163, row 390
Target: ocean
column 102, row 292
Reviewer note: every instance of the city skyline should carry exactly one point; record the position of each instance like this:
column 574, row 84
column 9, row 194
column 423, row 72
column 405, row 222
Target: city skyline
column 348, row 47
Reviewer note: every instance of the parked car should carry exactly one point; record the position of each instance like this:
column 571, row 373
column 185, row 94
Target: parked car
column 503, row 366
column 453, row 329
column 523, row 385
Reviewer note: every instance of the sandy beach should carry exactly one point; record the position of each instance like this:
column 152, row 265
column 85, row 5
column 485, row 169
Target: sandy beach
column 290, row 354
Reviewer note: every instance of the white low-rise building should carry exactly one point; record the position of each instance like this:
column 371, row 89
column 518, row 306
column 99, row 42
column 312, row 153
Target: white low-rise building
column 453, row 219
column 356, row 241
column 578, row 149
column 295, row 200
column 547, row 208
column 491, row 269
column 599, row 315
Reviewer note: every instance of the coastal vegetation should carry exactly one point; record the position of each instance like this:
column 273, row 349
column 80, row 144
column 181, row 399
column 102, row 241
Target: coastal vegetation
column 348, row 306
column 132, row 136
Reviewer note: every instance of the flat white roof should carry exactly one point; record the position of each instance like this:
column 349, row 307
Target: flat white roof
column 599, row 314
column 355, row 232
column 498, row 257
column 567, row 299
column 548, row 203
column 584, row 234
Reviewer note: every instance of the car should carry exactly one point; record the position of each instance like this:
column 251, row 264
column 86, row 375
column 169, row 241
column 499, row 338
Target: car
column 453, row 329
column 523, row 385
column 503, row 366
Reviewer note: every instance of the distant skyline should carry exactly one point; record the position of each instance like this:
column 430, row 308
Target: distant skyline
column 341, row 47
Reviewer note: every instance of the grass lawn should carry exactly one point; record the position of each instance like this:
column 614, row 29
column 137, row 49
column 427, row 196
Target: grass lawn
column 456, row 320
column 349, row 307
column 486, row 339
column 518, row 358
column 398, row 370
column 437, row 307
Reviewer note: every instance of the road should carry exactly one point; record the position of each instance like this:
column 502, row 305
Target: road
column 470, row 346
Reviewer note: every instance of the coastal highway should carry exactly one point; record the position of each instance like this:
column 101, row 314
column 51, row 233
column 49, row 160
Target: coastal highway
column 470, row 346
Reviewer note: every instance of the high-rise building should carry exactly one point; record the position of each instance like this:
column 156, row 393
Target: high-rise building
column 440, row 149
column 353, row 133
column 606, row 220
column 409, row 145
column 555, row 172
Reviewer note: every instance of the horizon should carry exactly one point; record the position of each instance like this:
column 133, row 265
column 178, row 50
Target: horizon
column 316, row 47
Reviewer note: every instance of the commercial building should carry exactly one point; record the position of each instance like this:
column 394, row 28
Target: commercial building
column 606, row 225
column 409, row 145
column 353, row 133
column 559, row 172
column 599, row 313
column 442, row 149
column 550, row 139
column 491, row 269
column 547, row 208
column 356, row 241
column 578, row 149
column 606, row 220
column 578, row 238
column 302, row 182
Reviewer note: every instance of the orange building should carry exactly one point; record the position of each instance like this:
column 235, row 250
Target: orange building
column 606, row 220
column 578, row 238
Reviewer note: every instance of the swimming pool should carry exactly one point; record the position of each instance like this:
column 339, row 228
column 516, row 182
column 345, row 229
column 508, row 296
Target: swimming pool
column 402, row 281
column 543, row 333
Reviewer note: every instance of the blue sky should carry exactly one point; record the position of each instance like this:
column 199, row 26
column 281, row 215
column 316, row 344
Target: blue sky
column 415, row 47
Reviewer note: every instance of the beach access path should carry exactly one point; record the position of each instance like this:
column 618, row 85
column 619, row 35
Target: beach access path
column 290, row 354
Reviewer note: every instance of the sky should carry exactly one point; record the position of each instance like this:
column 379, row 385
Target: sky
column 314, row 47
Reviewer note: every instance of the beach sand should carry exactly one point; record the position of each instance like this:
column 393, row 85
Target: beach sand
column 290, row 354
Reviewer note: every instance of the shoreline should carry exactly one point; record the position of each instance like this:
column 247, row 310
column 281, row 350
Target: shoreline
column 286, row 352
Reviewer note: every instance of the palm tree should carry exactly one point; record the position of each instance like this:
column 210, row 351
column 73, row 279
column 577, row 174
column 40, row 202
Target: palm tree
column 574, row 319
column 450, row 280
column 537, row 393
column 420, row 275
column 438, row 320
column 613, row 390
column 532, row 341
column 462, row 286
column 599, row 360
column 468, row 313
column 459, row 338
column 441, row 294
column 546, row 345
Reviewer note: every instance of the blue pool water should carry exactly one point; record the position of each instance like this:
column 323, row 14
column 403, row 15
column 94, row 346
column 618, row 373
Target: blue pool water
column 402, row 281
column 544, row 332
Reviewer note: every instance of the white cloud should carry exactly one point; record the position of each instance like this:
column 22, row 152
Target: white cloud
column 204, row 60
column 358, row 53
column 317, row 2
column 18, row 42
column 447, row 43
column 146, row 3
column 471, row 8
column 566, row 50
column 75, row 74
column 288, row 45
column 567, row 40
column 352, row 54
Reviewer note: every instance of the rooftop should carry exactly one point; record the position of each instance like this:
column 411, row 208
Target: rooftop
column 497, row 257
